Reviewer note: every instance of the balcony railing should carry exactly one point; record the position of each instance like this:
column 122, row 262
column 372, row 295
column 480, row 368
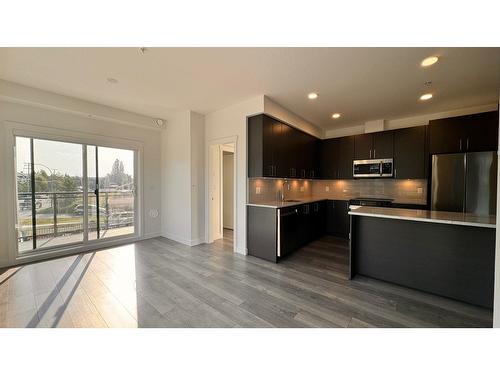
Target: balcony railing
column 61, row 213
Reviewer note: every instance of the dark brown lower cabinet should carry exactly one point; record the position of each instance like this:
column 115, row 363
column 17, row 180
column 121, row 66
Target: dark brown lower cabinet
column 337, row 218
column 274, row 233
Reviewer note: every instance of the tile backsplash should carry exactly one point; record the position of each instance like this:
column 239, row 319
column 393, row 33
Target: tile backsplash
column 403, row 191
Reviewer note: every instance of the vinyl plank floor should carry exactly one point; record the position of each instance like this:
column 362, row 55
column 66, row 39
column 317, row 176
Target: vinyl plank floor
column 161, row 283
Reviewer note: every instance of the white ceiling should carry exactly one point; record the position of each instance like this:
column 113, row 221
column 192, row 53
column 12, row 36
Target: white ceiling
column 361, row 83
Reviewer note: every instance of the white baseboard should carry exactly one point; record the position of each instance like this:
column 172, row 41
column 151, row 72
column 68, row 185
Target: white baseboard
column 150, row 235
column 183, row 240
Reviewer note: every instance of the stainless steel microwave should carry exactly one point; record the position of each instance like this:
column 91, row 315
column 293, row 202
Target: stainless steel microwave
column 373, row 168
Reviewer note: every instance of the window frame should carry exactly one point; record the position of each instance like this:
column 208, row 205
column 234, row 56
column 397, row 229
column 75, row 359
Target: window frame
column 15, row 129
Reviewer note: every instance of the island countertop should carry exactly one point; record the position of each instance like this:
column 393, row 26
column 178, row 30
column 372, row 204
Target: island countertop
column 443, row 217
column 283, row 204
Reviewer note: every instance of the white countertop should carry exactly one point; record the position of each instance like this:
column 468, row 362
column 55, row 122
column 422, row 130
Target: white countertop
column 456, row 218
column 279, row 204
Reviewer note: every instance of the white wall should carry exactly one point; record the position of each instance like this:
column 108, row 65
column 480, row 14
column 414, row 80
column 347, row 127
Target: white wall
column 227, row 190
column 176, row 179
column 182, row 171
column 50, row 111
column 197, row 126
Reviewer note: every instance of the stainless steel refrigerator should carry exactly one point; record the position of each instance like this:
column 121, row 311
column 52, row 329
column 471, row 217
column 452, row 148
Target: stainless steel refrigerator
column 464, row 182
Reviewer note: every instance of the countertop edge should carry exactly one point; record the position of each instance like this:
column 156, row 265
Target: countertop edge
column 440, row 221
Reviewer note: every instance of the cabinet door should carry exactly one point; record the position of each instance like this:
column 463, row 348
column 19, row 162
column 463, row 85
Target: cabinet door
column 328, row 158
column 318, row 215
column 383, row 145
column 447, row 135
column 304, row 224
column 289, row 230
column 341, row 218
column 269, row 134
column 337, row 220
column 363, row 145
column 409, row 153
column 481, row 132
column 345, row 157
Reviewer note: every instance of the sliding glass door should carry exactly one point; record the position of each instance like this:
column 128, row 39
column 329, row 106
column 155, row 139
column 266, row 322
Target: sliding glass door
column 69, row 193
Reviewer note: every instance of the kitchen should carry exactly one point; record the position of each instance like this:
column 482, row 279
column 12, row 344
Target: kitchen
column 415, row 206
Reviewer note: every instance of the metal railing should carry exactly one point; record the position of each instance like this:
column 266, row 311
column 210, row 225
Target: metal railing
column 61, row 213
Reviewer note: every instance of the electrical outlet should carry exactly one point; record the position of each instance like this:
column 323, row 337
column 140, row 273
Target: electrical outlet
column 257, row 190
column 420, row 190
column 327, row 188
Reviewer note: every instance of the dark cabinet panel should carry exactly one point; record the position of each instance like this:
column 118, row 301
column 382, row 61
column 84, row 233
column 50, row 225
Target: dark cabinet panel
column 278, row 150
column 318, row 216
column 336, row 155
column 363, row 145
column 337, row 218
column 262, row 232
column 477, row 132
column 482, row 132
column 446, row 136
column 289, row 230
column 374, row 145
column 345, row 157
column 383, row 145
column 410, row 157
column 329, row 157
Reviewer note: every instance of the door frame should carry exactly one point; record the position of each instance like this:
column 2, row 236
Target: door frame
column 216, row 146
column 14, row 129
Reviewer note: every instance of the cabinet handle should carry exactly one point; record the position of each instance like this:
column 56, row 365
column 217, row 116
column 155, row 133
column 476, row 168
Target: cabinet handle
column 395, row 173
column 370, row 153
column 460, row 144
column 467, row 144
column 374, row 153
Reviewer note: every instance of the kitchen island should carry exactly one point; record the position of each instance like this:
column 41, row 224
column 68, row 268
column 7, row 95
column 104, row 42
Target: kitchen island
column 446, row 253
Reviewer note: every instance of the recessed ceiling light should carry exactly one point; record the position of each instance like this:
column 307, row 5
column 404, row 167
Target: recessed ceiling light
column 431, row 60
column 313, row 95
column 112, row 80
column 426, row 96
column 336, row 115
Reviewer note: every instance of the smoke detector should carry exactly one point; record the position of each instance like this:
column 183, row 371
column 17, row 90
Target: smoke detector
column 160, row 123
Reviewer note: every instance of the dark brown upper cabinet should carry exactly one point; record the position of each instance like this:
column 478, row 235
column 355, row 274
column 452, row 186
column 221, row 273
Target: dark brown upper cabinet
column 336, row 155
column 374, row 145
column 279, row 150
column 410, row 156
column 477, row 132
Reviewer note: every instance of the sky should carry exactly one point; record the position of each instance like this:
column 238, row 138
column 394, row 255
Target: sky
column 66, row 158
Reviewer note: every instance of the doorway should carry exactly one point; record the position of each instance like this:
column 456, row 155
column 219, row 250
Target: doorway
column 227, row 193
column 222, row 177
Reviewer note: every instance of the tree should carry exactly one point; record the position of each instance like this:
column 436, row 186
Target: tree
column 66, row 183
column 117, row 175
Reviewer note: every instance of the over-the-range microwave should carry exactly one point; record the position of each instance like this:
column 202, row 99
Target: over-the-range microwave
column 373, row 168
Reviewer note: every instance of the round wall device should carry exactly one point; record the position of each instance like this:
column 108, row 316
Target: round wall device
column 159, row 122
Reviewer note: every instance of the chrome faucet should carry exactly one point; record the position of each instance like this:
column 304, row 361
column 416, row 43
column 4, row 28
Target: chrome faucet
column 281, row 191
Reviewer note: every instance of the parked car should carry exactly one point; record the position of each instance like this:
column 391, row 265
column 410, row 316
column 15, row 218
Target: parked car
column 78, row 210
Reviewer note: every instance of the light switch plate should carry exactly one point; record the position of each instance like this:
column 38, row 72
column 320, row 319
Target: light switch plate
column 257, row 190
column 420, row 190
column 327, row 188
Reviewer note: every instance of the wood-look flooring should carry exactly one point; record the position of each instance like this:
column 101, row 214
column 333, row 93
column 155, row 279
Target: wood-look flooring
column 161, row 283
